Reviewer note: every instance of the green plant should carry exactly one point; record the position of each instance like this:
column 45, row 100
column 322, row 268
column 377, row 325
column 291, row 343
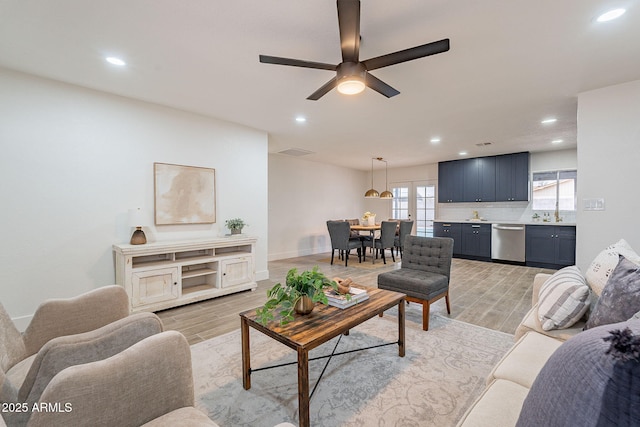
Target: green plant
column 235, row 224
column 284, row 298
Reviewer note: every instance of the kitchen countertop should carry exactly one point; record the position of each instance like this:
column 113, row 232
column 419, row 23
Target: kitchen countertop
column 485, row 221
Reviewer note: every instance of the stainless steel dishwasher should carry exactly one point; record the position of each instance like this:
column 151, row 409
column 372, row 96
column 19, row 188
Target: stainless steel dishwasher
column 508, row 242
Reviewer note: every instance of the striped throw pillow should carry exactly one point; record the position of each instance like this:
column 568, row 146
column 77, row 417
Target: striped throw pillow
column 563, row 299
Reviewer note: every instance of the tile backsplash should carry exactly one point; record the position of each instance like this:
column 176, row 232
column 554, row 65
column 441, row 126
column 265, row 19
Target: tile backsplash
column 496, row 211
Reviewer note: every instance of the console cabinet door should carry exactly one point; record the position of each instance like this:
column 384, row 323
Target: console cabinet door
column 153, row 286
column 236, row 271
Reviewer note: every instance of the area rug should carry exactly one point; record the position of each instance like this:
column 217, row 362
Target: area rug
column 444, row 370
column 366, row 265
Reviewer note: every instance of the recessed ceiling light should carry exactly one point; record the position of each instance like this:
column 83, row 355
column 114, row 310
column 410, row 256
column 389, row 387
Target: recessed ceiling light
column 557, row 141
column 435, row 140
column 115, row 61
column 611, row 15
column 462, row 153
column 549, row 120
column 301, row 119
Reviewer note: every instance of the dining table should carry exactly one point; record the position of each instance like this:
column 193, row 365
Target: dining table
column 369, row 228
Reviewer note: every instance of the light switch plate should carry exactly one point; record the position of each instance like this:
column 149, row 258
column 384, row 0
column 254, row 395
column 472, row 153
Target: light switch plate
column 596, row 204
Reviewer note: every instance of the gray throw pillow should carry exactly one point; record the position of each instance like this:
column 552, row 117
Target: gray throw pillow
column 591, row 380
column 620, row 298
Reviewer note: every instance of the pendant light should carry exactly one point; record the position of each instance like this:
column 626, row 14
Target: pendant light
column 372, row 193
column 386, row 194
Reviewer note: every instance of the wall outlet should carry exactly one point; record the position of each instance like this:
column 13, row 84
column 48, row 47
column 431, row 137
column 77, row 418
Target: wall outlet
column 593, row 204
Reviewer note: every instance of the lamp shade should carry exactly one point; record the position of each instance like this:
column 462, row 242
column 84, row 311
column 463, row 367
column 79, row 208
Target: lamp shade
column 372, row 194
column 136, row 218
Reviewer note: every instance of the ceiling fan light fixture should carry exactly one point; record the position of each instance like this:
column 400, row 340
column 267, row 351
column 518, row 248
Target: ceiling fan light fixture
column 351, row 85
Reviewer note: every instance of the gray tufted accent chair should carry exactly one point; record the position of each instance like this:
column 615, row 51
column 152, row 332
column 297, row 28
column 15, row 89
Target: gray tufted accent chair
column 424, row 274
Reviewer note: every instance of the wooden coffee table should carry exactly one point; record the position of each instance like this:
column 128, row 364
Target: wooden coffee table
column 305, row 333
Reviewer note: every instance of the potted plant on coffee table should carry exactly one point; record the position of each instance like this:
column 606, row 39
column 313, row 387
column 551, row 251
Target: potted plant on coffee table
column 235, row 225
column 299, row 294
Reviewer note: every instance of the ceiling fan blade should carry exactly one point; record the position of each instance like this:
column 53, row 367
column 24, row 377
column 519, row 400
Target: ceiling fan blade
column 407, row 54
column 379, row 86
column 324, row 89
column 266, row 59
column 349, row 24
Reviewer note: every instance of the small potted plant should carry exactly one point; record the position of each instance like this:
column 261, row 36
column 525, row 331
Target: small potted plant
column 235, row 225
column 299, row 294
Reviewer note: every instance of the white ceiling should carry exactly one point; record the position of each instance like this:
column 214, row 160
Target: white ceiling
column 512, row 63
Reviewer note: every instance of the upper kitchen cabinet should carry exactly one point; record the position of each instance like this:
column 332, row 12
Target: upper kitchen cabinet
column 450, row 181
column 479, row 179
column 503, row 178
column 512, row 177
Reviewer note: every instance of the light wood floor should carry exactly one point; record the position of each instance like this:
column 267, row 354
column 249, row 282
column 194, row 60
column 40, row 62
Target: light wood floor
column 491, row 295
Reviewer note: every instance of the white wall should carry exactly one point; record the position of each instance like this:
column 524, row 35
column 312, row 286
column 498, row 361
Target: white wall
column 303, row 195
column 608, row 161
column 74, row 161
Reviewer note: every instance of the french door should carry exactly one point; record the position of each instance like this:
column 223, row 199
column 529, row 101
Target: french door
column 416, row 201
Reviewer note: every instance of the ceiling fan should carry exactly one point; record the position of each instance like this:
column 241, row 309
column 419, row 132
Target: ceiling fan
column 352, row 75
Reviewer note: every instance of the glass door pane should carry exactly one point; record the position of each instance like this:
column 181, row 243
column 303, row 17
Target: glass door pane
column 425, row 203
column 400, row 203
column 415, row 201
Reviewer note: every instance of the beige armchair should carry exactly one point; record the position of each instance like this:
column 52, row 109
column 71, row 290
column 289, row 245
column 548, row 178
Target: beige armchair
column 58, row 317
column 28, row 360
column 148, row 384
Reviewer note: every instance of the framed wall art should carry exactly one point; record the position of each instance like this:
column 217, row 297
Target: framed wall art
column 184, row 194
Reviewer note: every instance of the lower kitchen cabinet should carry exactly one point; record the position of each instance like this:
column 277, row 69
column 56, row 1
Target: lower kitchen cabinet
column 469, row 240
column 550, row 246
column 449, row 229
column 476, row 241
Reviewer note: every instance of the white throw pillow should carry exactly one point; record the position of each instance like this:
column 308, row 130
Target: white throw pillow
column 601, row 267
column 563, row 299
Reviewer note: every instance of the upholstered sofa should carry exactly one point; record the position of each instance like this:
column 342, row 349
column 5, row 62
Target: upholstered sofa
column 520, row 383
column 510, row 380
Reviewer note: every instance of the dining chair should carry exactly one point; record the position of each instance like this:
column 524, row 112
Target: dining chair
column 404, row 230
column 351, row 222
column 339, row 233
column 385, row 241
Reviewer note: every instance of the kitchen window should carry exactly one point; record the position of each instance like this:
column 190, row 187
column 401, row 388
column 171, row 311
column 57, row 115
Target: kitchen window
column 554, row 189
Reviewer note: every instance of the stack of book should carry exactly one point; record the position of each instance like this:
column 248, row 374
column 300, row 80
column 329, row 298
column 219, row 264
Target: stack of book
column 339, row 300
